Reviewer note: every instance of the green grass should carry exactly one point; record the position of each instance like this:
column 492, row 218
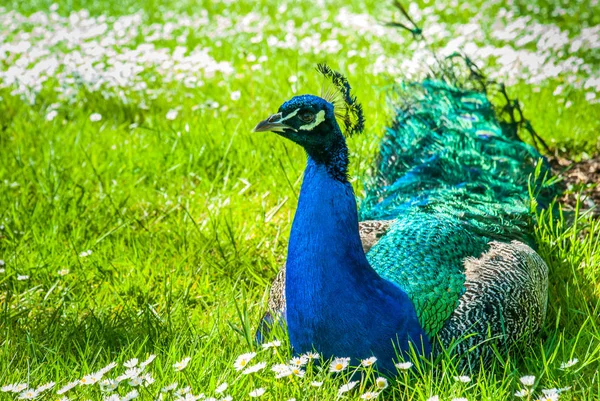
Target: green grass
column 188, row 219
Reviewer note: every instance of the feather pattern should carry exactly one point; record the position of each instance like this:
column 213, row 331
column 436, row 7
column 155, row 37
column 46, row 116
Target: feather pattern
column 446, row 220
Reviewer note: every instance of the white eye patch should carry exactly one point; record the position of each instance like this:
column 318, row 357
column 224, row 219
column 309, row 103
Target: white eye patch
column 292, row 114
column 319, row 118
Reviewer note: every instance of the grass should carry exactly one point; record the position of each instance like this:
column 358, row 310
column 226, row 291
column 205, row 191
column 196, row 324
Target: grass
column 187, row 219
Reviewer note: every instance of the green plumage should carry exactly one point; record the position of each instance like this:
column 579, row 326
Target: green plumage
column 454, row 174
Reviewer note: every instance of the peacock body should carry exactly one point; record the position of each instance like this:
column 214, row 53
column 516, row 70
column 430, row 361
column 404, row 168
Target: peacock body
column 442, row 255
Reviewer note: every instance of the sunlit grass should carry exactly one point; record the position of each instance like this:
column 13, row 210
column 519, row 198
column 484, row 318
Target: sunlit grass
column 187, row 218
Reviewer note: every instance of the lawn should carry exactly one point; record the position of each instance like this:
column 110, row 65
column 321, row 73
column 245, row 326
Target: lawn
column 141, row 217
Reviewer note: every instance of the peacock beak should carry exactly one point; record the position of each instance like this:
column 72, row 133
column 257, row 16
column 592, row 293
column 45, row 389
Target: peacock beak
column 273, row 123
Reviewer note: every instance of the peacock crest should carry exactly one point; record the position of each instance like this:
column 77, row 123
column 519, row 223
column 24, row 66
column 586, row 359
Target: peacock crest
column 348, row 111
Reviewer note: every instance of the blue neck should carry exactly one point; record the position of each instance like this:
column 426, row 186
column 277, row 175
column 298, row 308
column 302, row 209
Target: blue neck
column 336, row 302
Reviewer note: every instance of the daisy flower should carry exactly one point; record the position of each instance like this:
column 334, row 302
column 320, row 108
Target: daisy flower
column 179, row 366
column 130, row 395
column 368, row 362
column 296, row 371
column 434, row 398
column 549, row 397
column 148, row 361
column 272, row 344
column 132, row 363
column 169, row 388
column 522, row 393
column 299, row 361
column 462, row 379
column 171, row 114
column 90, row 379
column 339, row 364
column 257, row 393
column 67, row 387
column 404, row 365
column 242, row 360
column 312, row 355
column 107, row 368
column 527, row 380
column 94, row 117
column 569, row 363
column 281, row 370
column 221, row 387
column 29, row 394
column 347, row 387
column 381, row 383
column 369, row 395
column 316, row 384
column 254, row 368
column 45, row 387
column 108, row 385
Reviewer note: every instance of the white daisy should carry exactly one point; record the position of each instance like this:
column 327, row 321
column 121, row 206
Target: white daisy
column 67, row 387
column 51, row 115
column 381, row 383
column 112, row 397
column 242, row 360
column 459, row 399
column 130, row 395
column 108, row 385
column 316, row 384
column 254, row 368
column 94, row 117
column 522, row 393
column 296, row 371
column 136, row 381
column 45, row 387
column 131, row 363
column 339, row 364
column 347, row 387
column 132, row 372
column 369, row 395
column 368, row 362
column 281, row 370
column 550, row 397
column 257, row 393
column 404, row 365
column 569, row 363
column 462, row 379
column 312, row 355
column 299, row 361
column 148, row 380
column 235, row 95
column 29, row 394
column 221, row 387
column 179, row 366
column 527, row 380
column 169, row 388
column 148, row 361
column 90, row 379
column 107, row 368
column 434, row 398
column 171, row 114
column 272, row 344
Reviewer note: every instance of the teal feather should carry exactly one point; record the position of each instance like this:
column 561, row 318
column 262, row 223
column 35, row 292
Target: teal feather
column 455, row 175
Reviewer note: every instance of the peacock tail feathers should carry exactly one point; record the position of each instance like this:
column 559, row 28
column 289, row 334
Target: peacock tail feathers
column 454, row 174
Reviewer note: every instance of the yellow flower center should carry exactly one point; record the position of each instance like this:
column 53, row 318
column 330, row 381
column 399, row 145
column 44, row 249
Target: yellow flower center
column 339, row 366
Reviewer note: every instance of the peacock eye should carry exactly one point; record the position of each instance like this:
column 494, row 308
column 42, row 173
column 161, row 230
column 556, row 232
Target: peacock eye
column 306, row 116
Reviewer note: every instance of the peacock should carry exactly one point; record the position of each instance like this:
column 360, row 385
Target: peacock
column 439, row 253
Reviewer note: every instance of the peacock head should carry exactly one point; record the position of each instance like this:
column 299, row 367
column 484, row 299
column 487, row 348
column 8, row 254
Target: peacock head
column 307, row 120
column 312, row 121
